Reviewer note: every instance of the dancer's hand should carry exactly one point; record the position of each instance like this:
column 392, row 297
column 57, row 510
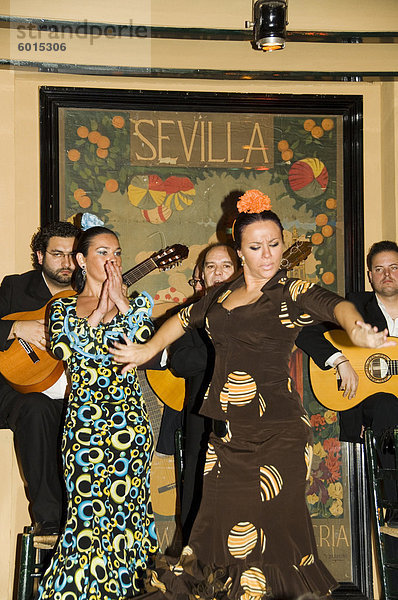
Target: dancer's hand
column 131, row 355
column 116, row 289
column 104, row 306
column 366, row 336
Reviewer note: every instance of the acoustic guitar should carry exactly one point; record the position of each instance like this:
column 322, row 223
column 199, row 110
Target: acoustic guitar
column 28, row 369
column 375, row 368
column 171, row 389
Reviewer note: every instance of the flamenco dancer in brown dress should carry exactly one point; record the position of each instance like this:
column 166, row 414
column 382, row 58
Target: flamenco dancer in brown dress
column 253, row 536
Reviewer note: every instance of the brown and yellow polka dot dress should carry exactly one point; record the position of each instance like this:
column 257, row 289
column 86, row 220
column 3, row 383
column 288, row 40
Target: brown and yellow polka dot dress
column 253, row 537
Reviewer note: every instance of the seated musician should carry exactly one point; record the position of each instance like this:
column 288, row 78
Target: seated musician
column 35, row 417
column 379, row 308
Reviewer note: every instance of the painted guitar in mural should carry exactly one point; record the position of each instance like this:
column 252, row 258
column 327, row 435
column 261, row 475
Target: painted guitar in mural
column 29, row 369
column 376, row 370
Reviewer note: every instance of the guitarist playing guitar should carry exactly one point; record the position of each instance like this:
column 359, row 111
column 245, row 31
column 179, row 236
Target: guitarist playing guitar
column 35, row 417
column 380, row 309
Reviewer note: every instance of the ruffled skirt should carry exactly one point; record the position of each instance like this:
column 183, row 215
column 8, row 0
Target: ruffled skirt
column 253, row 536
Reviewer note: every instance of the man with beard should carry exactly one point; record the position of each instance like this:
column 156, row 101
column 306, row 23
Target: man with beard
column 379, row 308
column 35, row 417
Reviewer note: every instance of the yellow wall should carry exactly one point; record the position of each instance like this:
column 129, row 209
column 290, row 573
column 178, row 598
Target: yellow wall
column 19, row 123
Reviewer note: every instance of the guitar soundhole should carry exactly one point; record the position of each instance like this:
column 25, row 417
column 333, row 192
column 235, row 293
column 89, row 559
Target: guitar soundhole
column 376, row 368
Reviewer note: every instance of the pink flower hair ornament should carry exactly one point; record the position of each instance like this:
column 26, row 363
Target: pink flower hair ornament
column 253, row 201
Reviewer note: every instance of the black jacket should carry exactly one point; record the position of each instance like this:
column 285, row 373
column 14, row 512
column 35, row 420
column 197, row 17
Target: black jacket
column 20, row 293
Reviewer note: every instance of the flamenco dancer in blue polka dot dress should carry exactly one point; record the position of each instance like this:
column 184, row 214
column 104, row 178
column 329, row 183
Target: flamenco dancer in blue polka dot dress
column 107, row 444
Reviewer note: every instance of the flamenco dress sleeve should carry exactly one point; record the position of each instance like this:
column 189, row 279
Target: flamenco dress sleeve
column 312, row 303
column 59, row 325
column 137, row 320
column 194, row 315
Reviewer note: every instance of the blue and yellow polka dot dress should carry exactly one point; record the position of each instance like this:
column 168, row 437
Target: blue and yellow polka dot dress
column 107, row 448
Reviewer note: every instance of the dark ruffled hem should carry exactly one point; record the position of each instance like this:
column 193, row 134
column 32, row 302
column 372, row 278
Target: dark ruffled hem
column 188, row 579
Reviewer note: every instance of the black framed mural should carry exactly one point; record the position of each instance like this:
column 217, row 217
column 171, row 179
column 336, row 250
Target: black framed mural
column 167, row 167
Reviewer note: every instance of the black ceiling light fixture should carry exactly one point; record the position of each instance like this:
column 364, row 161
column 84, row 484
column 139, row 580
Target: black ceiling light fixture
column 269, row 24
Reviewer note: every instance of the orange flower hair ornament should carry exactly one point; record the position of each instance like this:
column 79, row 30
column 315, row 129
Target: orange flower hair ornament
column 253, row 201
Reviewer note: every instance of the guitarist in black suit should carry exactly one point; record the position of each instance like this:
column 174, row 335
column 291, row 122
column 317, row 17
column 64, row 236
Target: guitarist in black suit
column 380, row 309
column 35, row 417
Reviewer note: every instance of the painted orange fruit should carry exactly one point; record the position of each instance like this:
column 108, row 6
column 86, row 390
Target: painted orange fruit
column 111, row 185
column 94, row 136
column 331, row 203
column 317, row 132
column 328, row 278
column 309, row 124
column 321, row 219
column 82, row 131
column 327, row 124
column 327, row 231
column 73, row 154
column 103, row 142
column 79, row 193
column 283, row 145
column 102, row 152
column 118, row 122
column 317, row 239
column 84, row 201
column 287, row 154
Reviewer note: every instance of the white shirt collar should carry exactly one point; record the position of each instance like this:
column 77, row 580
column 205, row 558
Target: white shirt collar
column 392, row 324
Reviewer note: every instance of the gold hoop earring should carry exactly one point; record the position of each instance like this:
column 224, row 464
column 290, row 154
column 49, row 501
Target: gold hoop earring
column 242, row 261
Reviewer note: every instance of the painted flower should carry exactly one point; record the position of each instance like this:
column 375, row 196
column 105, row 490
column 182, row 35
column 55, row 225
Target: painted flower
column 318, row 489
column 335, row 490
column 334, row 466
column 336, row 508
column 332, row 445
column 319, row 451
column 317, row 421
column 330, row 416
column 312, row 499
column 253, row 201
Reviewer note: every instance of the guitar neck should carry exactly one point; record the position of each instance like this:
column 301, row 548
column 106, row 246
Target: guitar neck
column 139, row 271
column 393, row 367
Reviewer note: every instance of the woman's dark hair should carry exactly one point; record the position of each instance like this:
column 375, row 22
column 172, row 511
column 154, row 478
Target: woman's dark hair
column 245, row 219
column 82, row 247
column 40, row 240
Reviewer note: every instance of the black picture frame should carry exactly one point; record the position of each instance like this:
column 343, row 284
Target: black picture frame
column 350, row 108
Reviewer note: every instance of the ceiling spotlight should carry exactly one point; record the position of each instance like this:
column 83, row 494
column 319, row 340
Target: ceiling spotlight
column 269, row 24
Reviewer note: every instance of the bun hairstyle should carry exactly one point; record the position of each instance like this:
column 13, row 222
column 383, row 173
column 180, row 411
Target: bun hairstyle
column 85, row 241
column 253, row 206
